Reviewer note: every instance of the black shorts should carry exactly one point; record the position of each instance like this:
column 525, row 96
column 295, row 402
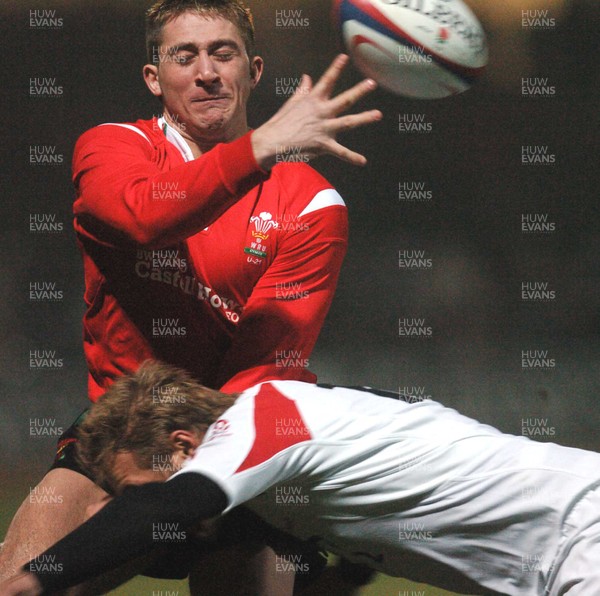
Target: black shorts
column 66, row 448
column 239, row 525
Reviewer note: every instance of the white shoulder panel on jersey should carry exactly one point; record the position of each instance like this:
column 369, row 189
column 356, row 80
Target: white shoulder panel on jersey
column 324, row 198
column 130, row 127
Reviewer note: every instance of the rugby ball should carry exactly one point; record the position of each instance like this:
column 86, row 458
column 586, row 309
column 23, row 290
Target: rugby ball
column 424, row 49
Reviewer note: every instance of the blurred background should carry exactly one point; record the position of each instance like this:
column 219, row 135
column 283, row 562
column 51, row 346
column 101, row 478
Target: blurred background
column 466, row 227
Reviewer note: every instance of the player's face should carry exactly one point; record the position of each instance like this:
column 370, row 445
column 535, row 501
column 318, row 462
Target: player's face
column 126, row 472
column 204, row 77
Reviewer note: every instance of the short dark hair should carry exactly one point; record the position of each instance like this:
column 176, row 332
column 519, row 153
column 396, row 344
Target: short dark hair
column 235, row 11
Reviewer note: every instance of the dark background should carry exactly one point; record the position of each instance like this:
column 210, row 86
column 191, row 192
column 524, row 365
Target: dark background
column 471, row 229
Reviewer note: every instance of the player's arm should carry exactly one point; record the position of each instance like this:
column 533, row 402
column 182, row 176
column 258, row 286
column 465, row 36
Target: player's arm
column 124, row 530
column 285, row 312
column 121, row 191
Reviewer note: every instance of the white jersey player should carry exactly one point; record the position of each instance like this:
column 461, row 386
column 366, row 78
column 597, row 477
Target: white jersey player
column 409, row 488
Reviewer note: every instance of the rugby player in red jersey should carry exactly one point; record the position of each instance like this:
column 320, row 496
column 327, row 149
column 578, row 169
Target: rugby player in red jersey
column 199, row 247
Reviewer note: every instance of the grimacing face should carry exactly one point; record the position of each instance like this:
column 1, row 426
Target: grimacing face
column 204, row 77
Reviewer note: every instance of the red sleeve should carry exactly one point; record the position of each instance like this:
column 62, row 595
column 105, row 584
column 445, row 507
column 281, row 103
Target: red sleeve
column 285, row 312
column 117, row 179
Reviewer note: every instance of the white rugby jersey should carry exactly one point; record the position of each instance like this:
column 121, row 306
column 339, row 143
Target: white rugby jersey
column 411, row 489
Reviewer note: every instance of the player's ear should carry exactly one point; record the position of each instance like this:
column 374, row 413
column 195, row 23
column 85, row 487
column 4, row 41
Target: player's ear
column 150, row 73
column 257, row 66
column 185, row 442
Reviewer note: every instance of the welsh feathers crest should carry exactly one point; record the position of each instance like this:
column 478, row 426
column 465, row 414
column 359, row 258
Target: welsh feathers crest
column 263, row 223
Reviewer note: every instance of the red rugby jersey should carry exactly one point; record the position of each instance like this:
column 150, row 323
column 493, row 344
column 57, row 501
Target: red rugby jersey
column 209, row 264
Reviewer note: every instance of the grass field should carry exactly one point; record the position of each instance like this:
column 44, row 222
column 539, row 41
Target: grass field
column 13, row 494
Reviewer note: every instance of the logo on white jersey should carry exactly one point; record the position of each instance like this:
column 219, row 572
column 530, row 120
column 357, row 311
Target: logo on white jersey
column 219, row 429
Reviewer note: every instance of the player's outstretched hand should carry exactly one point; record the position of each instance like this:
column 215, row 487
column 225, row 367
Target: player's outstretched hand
column 307, row 124
column 24, row 584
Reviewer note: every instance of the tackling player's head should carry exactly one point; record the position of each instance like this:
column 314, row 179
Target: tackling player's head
column 146, row 424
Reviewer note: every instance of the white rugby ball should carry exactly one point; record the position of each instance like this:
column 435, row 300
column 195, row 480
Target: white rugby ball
column 423, row 49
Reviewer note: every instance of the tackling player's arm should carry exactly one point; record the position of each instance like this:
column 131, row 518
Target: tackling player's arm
column 129, row 526
column 122, row 531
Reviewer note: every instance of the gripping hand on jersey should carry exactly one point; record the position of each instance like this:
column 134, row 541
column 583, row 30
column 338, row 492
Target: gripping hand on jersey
column 310, row 120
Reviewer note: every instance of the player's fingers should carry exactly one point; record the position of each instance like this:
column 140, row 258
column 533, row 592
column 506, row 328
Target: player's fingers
column 305, row 86
column 335, row 148
column 327, row 82
column 347, row 99
column 350, row 121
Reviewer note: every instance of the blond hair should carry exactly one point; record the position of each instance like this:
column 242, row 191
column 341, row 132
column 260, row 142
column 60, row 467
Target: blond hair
column 139, row 412
column 235, row 11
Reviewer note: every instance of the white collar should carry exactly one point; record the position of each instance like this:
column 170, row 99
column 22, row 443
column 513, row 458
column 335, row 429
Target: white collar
column 174, row 137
